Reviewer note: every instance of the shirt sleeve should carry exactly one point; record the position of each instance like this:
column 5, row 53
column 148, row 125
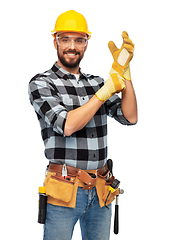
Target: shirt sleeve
column 47, row 104
column 113, row 106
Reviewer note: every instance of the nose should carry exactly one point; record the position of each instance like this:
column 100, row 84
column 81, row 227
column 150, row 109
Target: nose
column 72, row 44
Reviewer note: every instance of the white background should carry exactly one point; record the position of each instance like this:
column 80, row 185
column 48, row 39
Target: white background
column 142, row 154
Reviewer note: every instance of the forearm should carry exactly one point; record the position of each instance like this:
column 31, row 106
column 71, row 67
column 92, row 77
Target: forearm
column 78, row 118
column 129, row 103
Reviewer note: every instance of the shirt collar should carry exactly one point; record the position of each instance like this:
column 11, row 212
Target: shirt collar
column 65, row 74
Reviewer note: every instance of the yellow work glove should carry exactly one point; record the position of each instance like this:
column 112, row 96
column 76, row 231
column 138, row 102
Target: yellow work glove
column 127, row 73
column 122, row 56
column 114, row 84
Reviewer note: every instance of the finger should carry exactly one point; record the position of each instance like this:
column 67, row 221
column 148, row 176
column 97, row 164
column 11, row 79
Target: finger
column 125, row 34
column 129, row 48
column 128, row 41
column 112, row 47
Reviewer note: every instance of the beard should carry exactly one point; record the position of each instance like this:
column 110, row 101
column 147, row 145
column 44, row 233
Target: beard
column 72, row 63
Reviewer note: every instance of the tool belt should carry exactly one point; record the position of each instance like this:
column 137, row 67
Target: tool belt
column 63, row 192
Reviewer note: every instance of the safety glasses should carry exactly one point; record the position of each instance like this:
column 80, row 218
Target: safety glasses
column 66, row 41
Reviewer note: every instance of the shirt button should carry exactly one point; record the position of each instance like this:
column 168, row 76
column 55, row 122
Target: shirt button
column 83, row 98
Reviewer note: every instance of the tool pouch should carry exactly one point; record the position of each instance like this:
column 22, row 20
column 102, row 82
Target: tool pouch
column 103, row 190
column 60, row 191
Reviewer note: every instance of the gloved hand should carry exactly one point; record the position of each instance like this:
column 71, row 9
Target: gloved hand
column 122, row 56
column 114, row 84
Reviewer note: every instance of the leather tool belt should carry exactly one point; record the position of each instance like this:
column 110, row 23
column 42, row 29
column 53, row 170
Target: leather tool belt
column 63, row 192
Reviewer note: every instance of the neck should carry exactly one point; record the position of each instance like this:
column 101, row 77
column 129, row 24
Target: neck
column 74, row 70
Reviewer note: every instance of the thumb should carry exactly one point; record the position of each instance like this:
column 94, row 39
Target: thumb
column 112, row 47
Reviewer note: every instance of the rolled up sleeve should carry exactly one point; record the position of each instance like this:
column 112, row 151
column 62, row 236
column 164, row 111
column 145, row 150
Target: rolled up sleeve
column 114, row 110
column 47, row 103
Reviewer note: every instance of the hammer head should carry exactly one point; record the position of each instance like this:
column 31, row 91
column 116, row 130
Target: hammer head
column 121, row 191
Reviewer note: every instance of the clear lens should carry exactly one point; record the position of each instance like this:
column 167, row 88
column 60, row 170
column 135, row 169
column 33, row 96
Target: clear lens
column 65, row 42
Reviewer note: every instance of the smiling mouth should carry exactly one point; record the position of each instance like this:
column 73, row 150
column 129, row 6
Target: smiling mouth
column 71, row 54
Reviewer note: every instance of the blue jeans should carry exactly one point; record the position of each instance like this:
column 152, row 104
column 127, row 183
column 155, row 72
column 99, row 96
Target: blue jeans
column 94, row 221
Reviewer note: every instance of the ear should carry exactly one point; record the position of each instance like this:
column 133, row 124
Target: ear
column 55, row 43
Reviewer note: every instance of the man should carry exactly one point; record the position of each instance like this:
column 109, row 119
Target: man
column 72, row 109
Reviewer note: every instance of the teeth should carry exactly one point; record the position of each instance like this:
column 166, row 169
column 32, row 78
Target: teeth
column 71, row 54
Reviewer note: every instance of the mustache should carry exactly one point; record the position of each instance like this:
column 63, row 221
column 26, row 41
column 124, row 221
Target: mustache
column 72, row 51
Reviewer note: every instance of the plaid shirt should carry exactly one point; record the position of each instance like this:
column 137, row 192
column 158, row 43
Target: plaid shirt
column 56, row 92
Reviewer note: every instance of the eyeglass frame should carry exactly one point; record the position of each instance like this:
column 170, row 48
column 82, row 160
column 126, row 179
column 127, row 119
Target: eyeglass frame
column 86, row 40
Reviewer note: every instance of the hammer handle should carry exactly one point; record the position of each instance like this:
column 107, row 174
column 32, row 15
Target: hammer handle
column 116, row 220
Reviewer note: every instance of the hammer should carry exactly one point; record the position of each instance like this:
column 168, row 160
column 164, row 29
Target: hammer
column 116, row 219
column 121, row 191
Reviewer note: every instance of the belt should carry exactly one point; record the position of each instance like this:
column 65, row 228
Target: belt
column 87, row 178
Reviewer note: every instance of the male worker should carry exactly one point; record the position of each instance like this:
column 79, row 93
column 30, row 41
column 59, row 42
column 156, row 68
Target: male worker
column 72, row 109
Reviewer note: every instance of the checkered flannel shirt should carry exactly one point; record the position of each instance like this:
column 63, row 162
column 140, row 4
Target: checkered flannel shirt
column 56, row 92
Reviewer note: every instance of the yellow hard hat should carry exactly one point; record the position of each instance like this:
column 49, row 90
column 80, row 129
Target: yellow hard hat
column 71, row 21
